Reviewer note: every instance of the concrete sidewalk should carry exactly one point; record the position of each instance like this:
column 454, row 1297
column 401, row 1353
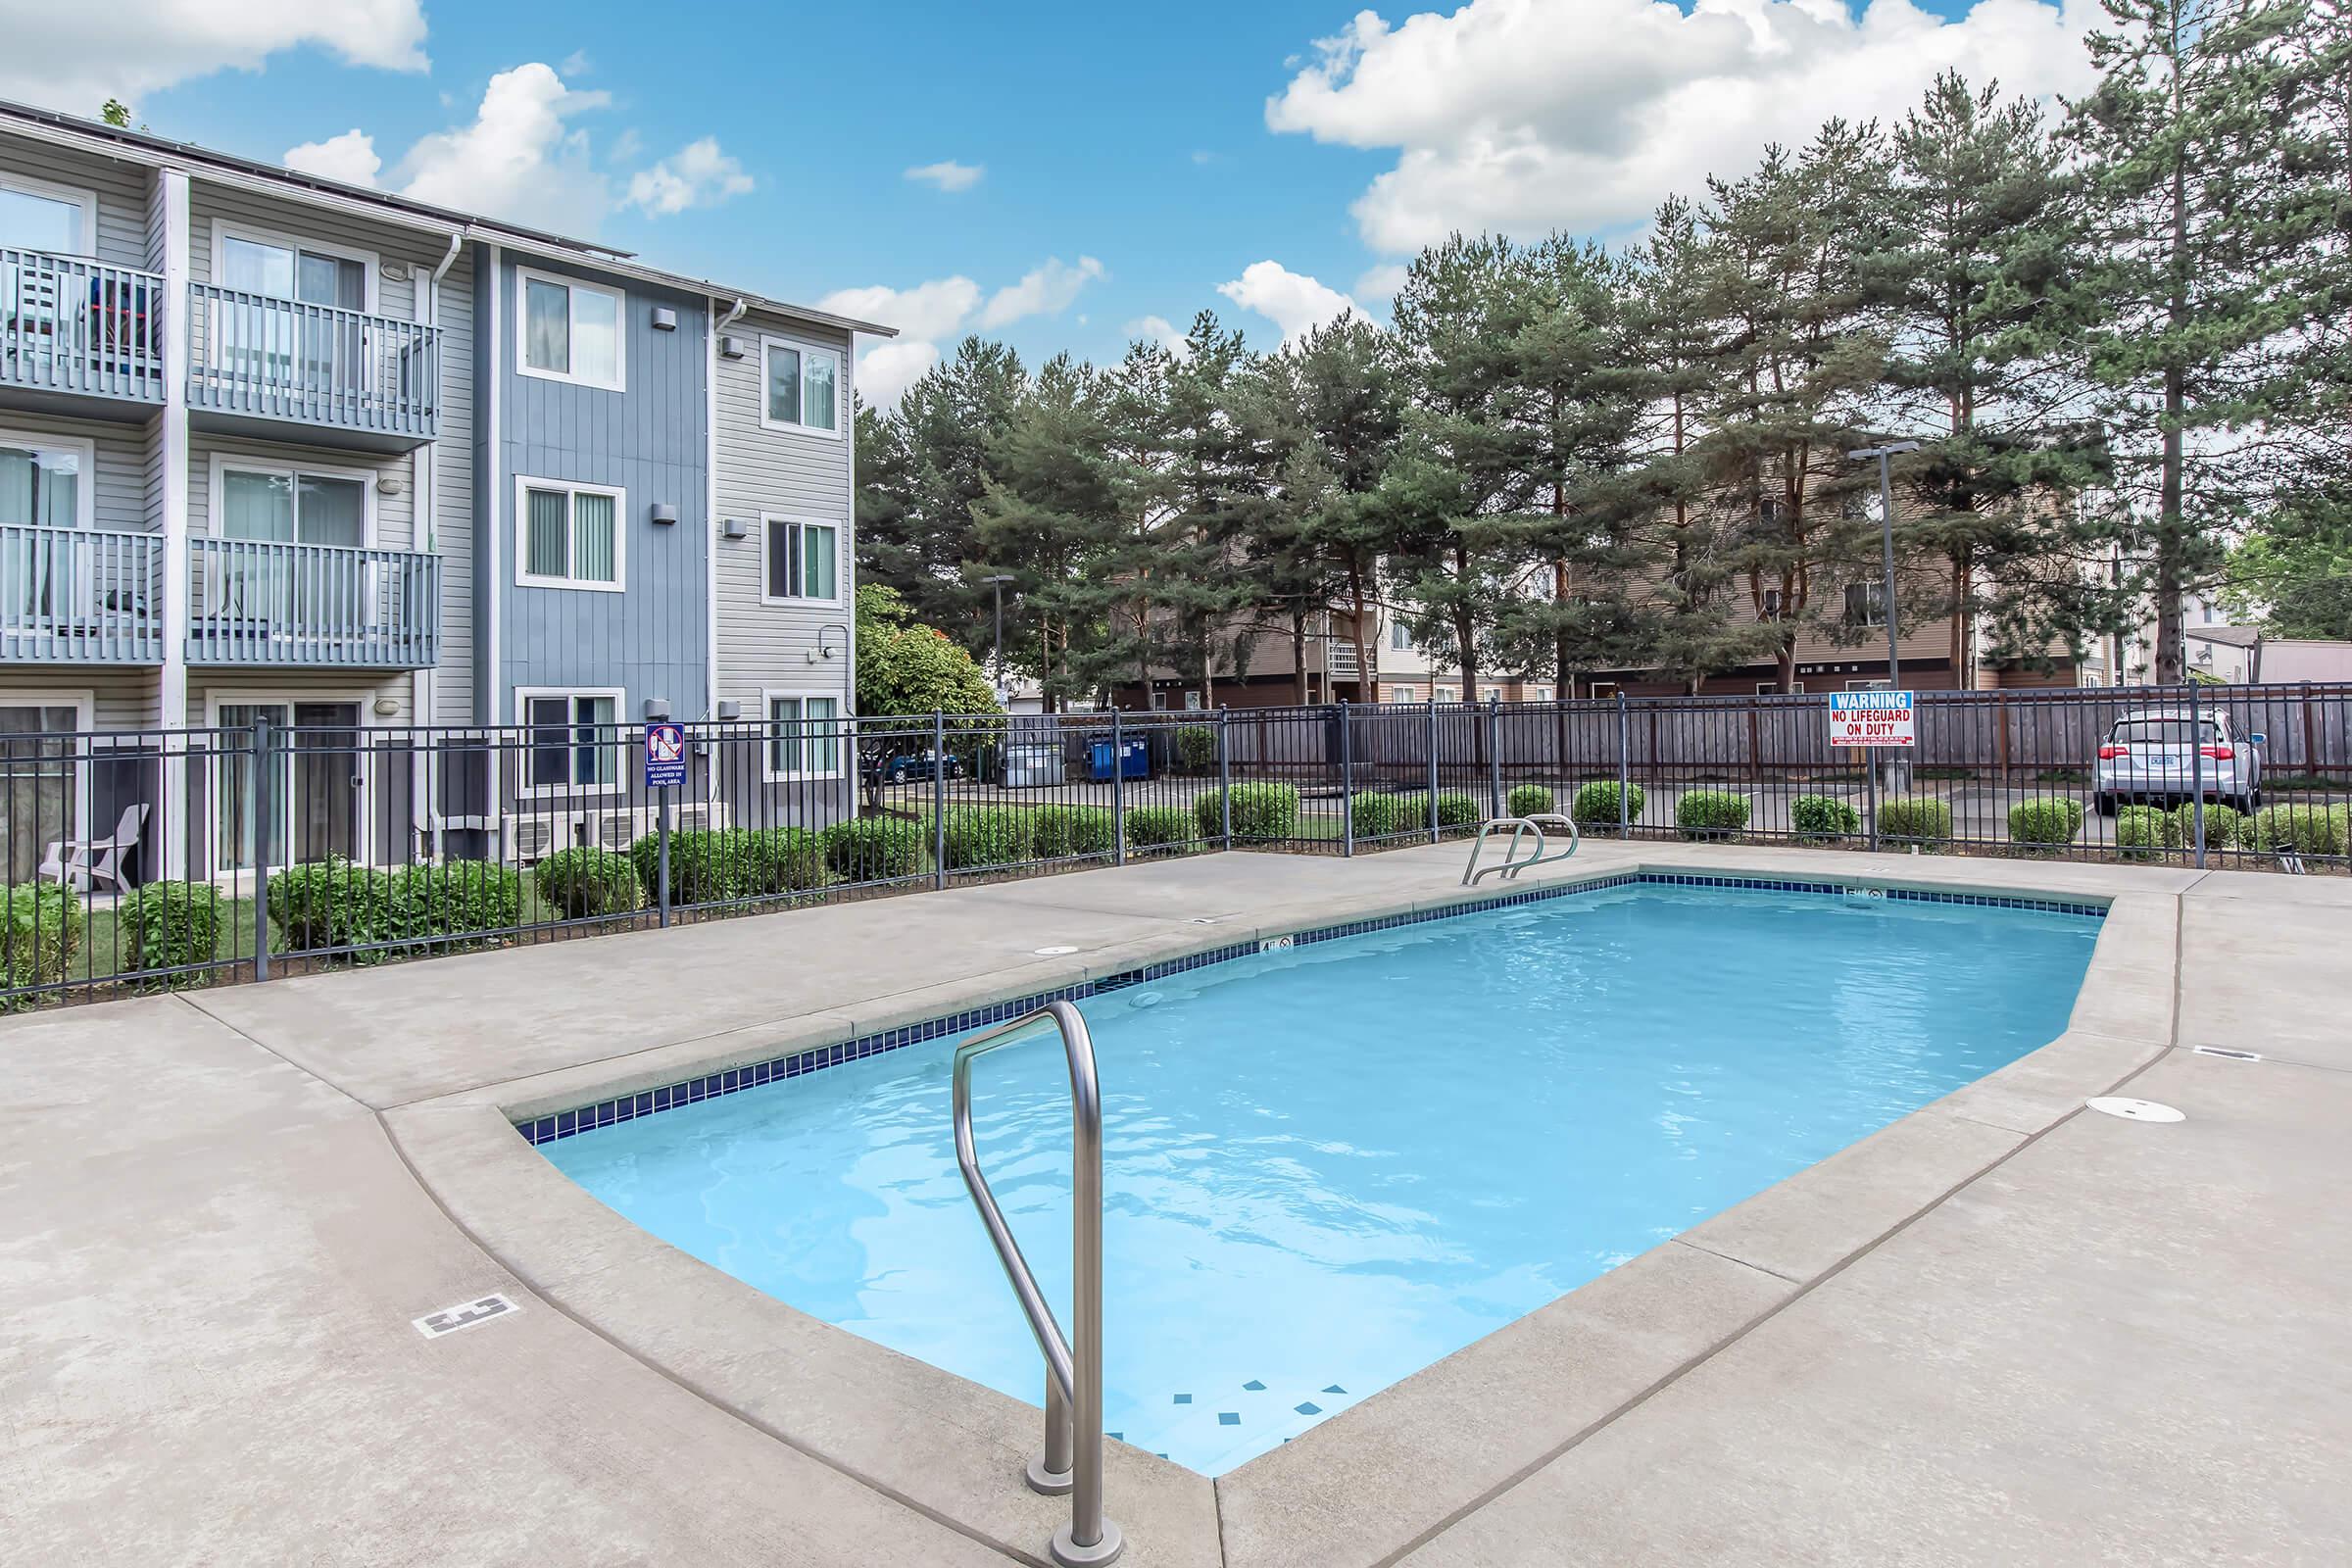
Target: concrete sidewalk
column 2097, row 1340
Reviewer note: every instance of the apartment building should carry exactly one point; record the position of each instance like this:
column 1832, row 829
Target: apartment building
column 279, row 450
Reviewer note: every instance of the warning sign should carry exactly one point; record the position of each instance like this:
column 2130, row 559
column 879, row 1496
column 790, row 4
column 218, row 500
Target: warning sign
column 1871, row 718
column 664, row 757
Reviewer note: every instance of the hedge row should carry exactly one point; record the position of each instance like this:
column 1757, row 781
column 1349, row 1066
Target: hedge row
column 1377, row 814
column 335, row 904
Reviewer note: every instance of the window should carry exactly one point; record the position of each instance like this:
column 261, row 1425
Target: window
column 36, row 216
column 43, row 790
column 1490, row 694
column 1604, row 688
column 1398, row 638
column 1403, row 694
column 803, row 735
column 1538, row 694
column 1864, row 686
column 570, row 535
column 799, row 559
column 255, row 264
column 1771, row 609
column 1444, row 694
column 1866, row 603
column 802, row 387
column 290, row 506
column 1191, row 701
column 1772, row 688
column 1159, row 699
column 45, row 482
column 574, row 744
column 569, row 332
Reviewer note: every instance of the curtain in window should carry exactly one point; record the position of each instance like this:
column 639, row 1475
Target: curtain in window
column 257, row 505
column 596, row 337
column 550, row 753
column 784, row 385
column 816, row 395
column 253, row 583
column 331, row 592
column 594, row 762
column 331, row 511
column 30, row 494
column 823, row 735
column 547, row 326
column 816, row 562
column 784, row 745
column 594, row 539
column 546, row 534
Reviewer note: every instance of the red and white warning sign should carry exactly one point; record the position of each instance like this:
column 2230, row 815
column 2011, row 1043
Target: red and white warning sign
column 1872, row 718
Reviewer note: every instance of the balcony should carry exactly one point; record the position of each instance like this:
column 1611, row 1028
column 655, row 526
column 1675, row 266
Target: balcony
column 74, row 596
column 262, row 603
column 78, row 337
column 261, row 367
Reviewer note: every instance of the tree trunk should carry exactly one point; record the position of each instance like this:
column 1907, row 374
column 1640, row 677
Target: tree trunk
column 1299, row 655
column 1963, row 673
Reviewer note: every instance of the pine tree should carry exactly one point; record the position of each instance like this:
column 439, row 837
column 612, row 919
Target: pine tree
column 1350, row 416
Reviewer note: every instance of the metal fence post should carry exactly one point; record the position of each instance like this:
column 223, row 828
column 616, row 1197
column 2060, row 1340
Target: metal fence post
column 1433, row 764
column 2196, row 773
column 257, row 819
column 662, row 847
column 1494, row 755
column 1347, row 782
column 1625, row 770
column 1118, row 789
column 1224, row 774
column 939, row 799
column 1870, row 795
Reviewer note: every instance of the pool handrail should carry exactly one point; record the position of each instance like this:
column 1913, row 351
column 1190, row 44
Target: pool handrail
column 1072, row 1461
column 1520, row 827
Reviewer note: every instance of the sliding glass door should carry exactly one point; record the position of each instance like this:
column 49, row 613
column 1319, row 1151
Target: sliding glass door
column 312, row 795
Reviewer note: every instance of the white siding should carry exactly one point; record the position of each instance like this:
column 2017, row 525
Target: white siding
column 407, row 250
column 121, row 190
column 765, row 471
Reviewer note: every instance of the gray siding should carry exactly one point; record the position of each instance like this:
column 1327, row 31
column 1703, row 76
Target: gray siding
column 394, row 515
column 771, row 471
column 120, row 486
column 453, row 459
column 121, row 190
column 648, row 439
column 211, row 206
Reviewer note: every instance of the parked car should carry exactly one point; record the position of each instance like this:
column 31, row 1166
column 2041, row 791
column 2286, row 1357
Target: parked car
column 898, row 767
column 2162, row 754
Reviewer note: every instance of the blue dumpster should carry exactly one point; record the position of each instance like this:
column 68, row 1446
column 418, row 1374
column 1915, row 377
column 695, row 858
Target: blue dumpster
column 1135, row 762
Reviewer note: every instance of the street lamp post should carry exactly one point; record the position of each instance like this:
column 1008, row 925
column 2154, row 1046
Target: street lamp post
column 1885, row 452
column 997, row 657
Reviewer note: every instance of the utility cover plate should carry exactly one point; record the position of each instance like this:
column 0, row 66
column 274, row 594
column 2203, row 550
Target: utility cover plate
column 466, row 1314
column 2133, row 1109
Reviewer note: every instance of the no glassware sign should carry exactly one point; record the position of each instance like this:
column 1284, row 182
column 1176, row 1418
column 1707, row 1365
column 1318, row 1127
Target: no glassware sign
column 1871, row 718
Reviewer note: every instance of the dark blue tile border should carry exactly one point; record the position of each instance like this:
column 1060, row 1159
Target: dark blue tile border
column 734, row 1080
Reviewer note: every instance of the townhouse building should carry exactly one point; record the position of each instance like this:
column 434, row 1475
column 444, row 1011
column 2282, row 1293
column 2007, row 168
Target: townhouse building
column 275, row 450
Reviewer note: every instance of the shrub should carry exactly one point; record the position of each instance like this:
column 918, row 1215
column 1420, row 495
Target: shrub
column 783, row 859
column 990, row 835
column 1062, row 831
column 1596, row 803
column 583, row 883
column 2143, row 831
column 454, row 898
column 2312, row 829
column 1162, row 827
column 330, row 904
column 2223, row 826
column 1262, row 813
column 168, row 925
column 707, row 865
column 1196, row 748
column 1529, row 800
column 2051, row 820
column 1710, row 813
column 1376, row 814
column 1455, row 808
column 1823, row 819
column 44, row 933
column 874, row 848
column 1915, row 819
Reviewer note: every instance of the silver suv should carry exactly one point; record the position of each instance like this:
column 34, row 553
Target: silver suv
column 2160, row 753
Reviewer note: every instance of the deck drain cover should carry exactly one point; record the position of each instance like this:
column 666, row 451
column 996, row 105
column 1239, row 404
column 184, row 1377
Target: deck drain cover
column 465, row 1315
column 1053, row 952
column 2224, row 1050
column 2133, row 1109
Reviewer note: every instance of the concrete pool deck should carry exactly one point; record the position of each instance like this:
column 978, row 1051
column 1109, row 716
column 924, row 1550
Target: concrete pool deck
column 2001, row 1329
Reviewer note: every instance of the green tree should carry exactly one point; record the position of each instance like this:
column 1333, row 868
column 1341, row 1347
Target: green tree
column 907, row 667
column 116, row 113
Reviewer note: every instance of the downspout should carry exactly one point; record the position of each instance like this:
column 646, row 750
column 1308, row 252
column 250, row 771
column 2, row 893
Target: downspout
column 710, row 523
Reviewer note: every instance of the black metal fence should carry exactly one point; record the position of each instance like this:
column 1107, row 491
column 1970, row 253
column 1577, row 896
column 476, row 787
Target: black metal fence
column 149, row 860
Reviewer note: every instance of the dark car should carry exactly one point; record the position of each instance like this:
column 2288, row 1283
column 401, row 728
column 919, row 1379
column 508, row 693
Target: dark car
column 899, row 767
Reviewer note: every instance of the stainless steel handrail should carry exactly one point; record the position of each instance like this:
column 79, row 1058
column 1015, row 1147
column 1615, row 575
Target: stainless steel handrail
column 1072, row 1461
column 1520, row 827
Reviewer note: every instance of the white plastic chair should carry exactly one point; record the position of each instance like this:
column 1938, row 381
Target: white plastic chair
column 94, row 860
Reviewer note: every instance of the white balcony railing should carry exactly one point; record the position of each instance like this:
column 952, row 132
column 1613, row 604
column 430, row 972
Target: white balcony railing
column 261, row 601
column 273, row 359
column 73, row 325
column 79, row 596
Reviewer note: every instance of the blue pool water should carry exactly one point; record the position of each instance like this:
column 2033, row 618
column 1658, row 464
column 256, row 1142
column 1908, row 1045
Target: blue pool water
column 1330, row 1166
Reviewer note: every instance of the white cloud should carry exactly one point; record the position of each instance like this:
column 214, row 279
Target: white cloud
column 1381, row 282
column 60, row 55
column 1044, row 290
column 888, row 369
column 1292, row 301
column 932, row 309
column 697, row 174
column 520, row 160
column 947, row 176
column 1527, row 114
column 575, row 64
column 1160, row 330
column 350, row 157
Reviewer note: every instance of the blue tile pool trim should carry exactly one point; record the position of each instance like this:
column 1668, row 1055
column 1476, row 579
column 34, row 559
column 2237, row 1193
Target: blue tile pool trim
column 734, row 1080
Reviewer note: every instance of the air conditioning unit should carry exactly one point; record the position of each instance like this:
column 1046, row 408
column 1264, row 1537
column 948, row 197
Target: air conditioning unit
column 618, row 830
column 695, row 816
column 533, row 836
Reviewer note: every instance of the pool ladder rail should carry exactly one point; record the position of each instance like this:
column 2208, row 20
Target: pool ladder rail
column 1520, row 827
column 1072, row 1461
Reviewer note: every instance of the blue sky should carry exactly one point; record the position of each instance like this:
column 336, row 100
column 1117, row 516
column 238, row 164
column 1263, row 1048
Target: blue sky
column 1275, row 160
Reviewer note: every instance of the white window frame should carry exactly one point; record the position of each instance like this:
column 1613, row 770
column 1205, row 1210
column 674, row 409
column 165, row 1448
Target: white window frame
column 525, row 577
column 1538, row 694
column 1603, row 688
column 523, row 278
column 1444, row 694
column 792, row 519
column 372, row 264
column 86, row 503
column 807, row 347
column 769, row 695
column 525, row 788
column 1403, row 694
column 289, row 697
column 1866, row 584
column 1772, row 688
column 48, row 190
column 216, row 491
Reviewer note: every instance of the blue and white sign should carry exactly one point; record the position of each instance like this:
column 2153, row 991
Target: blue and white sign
column 1872, row 718
column 664, row 757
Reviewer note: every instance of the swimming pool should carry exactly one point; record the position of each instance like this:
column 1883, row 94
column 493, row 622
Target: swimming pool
column 1328, row 1166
